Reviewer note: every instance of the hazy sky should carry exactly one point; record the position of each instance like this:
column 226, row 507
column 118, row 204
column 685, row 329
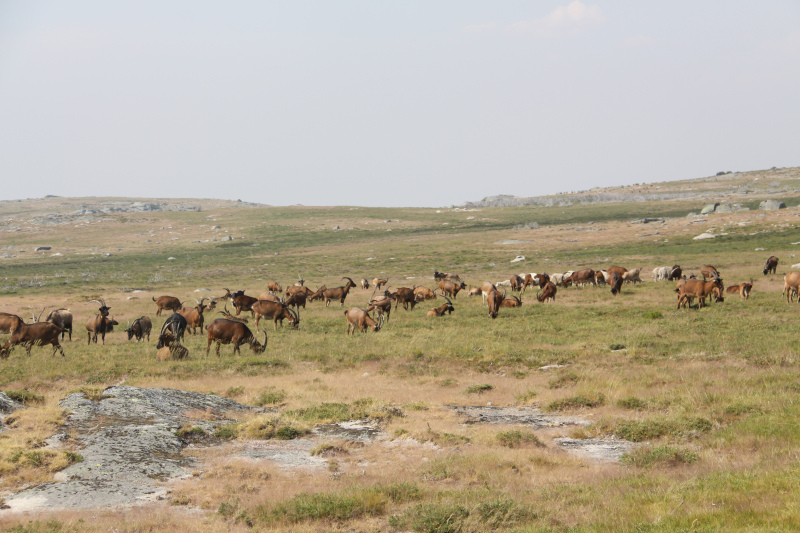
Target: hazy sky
column 409, row 103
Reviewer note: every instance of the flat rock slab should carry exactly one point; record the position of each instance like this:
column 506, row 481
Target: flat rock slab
column 286, row 454
column 598, row 450
column 128, row 443
column 529, row 416
column 297, row 453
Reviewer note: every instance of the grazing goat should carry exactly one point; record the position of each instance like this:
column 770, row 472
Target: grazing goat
column 675, row 273
column 451, row 288
column 424, row 293
column 63, row 319
column 790, row 285
column 358, row 318
column 297, row 288
column 172, row 331
column 474, row 291
column 9, row 323
column 273, row 298
column 338, row 293
column 486, row 288
column 709, row 272
column 632, row 276
column 379, row 282
column 194, row 316
column 743, row 289
column 615, row 280
column 517, row 283
column 242, row 302
column 404, row 296
column 493, row 300
column 364, row 283
column 438, row 276
column 661, row 273
column 581, row 277
column 170, row 303
column 225, row 331
column 140, row 328
column 599, row 278
column 99, row 325
column 297, row 300
column 771, row 265
column 276, row 311
column 529, row 280
column 273, row 287
column 615, row 270
column 694, row 288
column 382, row 305
column 318, row 295
column 558, row 278
column 29, row 335
column 548, row 293
column 442, row 309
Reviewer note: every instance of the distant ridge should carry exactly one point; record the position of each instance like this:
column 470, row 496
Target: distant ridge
column 752, row 184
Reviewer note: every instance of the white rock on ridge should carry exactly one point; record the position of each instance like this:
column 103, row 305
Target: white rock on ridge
column 704, row 236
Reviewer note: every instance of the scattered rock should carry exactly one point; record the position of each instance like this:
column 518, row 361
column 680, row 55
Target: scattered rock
column 644, row 220
column 518, row 259
column 703, row 236
column 515, row 415
column 724, row 208
column 41, row 248
column 599, row 450
column 170, row 259
column 771, row 205
column 510, row 241
column 226, row 238
column 710, row 208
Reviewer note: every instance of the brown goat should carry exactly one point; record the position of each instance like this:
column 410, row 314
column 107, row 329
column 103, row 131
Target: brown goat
column 224, row 331
column 170, row 303
column 709, row 272
column 99, row 325
column 358, row 318
column 194, row 316
column 493, row 300
column 451, row 288
column 338, row 293
column 276, row 311
column 442, row 309
column 29, row 335
column 548, row 293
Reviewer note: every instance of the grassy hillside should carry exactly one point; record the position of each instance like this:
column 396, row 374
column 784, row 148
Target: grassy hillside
column 709, row 396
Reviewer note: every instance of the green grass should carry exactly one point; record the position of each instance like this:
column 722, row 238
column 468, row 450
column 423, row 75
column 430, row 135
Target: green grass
column 712, row 395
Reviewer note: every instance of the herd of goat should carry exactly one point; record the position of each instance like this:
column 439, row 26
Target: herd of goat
column 278, row 305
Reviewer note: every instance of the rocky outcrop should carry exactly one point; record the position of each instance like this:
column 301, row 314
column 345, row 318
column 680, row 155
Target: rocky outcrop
column 128, row 442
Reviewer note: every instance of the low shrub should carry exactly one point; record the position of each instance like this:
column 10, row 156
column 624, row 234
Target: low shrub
column 659, row 455
column 478, row 389
column 577, row 402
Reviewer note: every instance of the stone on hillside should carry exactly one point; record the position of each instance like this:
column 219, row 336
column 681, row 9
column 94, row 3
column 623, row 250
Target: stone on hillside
column 724, row 208
column 41, row 248
column 518, row 259
column 7, row 405
column 710, row 208
column 227, row 238
column 771, row 205
column 704, row 236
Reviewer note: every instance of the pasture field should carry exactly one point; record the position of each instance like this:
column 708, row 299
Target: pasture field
column 710, row 397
